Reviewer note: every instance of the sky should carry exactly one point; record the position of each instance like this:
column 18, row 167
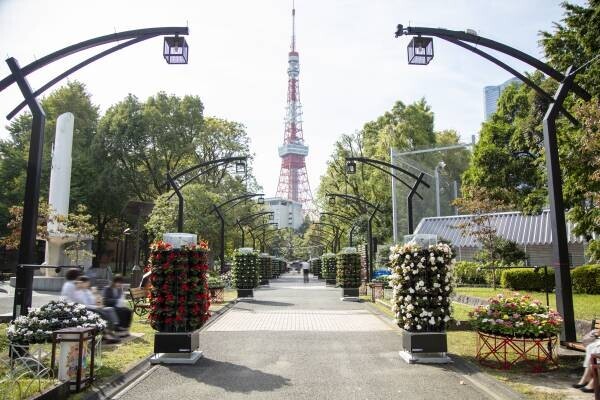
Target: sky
column 352, row 68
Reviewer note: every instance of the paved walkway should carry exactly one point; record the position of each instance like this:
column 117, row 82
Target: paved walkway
column 299, row 341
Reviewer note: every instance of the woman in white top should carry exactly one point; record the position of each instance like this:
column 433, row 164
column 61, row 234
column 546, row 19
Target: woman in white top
column 83, row 295
column 69, row 286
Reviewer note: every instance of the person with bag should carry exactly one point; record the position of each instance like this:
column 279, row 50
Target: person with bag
column 113, row 296
column 592, row 346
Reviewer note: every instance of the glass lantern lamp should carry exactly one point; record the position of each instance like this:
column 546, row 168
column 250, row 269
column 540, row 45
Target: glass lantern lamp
column 240, row 167
column 175, row 50
column 350, row 167
column 261, row 200
column 77, row 348
column 331, row 200
column 420, row 50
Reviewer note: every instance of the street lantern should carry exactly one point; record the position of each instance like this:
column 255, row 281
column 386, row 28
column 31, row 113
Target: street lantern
column 420, row 50
column 240, row 167
column 175, row 50
column 331, row 200
column 261, row 200
column 271, row 216
column 350, row 167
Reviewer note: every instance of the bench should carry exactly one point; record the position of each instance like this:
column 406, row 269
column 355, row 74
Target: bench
column 578, row 345
column 139, row 301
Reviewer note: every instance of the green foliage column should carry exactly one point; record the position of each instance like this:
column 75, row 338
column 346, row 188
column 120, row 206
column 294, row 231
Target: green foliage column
column 348, row 268
column 328, row 267
column 315, row 267
column 264, row 261
column 245, row 272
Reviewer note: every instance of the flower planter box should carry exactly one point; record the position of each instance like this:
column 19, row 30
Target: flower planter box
column 176, row 342
column 376, row 291
column 424, row 342
column 505, row 352
column 242, row 293
column 350, row 292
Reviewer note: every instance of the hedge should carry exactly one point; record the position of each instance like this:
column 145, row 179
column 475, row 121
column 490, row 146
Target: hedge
column 526, row 279
column 586, row 279
column 467, row 273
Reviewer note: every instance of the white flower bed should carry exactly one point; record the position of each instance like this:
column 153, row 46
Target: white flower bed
column 38, row 325
column 422, row 283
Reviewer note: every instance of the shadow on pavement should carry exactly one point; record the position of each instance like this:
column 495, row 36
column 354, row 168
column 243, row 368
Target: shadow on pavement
column 272, row 303
column 232, row 377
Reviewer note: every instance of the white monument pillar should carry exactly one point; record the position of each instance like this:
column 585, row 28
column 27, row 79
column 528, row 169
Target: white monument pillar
column 60, row 185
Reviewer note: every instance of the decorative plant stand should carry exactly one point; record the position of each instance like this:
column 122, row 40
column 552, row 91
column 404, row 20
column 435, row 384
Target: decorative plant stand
column 425, row 347
column 377, row 291
column 504, row 352
column 217, row 294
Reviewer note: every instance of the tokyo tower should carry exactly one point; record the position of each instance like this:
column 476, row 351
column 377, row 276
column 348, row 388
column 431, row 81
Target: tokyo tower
column 293, row 179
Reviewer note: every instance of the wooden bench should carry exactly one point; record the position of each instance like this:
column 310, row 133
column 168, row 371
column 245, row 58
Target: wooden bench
column 139, row 301
column 578, row 345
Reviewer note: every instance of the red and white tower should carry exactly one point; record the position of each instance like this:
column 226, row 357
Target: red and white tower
column 293, row 179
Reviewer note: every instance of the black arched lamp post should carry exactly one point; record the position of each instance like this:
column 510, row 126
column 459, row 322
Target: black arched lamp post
column 240, row 168
column 420, row 52
column 249, row 218
column 343, row 218
column 351, row 169
column 376, row 209
column 219, row 210
column 337, row 233
column 175, row 51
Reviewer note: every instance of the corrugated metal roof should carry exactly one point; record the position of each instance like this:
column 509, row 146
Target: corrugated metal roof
column 522, row 229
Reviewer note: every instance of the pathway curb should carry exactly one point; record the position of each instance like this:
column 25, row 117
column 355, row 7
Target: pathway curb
column 111, row 388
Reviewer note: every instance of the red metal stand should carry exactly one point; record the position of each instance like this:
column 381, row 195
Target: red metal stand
column 503, row 352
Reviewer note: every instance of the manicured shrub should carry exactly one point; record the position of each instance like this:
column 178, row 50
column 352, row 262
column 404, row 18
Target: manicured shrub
column 245, row 273
column 526, row 279
column 586, row 279
column 348, row 268
column 328, row 266
column 469, row 273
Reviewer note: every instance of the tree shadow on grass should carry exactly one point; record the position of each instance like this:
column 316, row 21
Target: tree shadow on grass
column 231, row 377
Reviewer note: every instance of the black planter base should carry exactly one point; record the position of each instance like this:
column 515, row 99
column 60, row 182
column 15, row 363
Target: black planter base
column 264, row 282
column 241, row 293
column 424, row 347
column 176, row 342
column 330, row 282
column 350, row 292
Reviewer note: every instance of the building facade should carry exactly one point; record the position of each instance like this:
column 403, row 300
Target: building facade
column 491, row 94
column 286, row 213
column 532, row 233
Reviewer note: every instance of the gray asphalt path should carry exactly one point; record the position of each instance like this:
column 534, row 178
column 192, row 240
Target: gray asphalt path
column 299, row 341
column 7, row 298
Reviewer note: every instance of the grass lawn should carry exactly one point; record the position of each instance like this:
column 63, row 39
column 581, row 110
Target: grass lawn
column 553, row 385
column 116, row 359
column 587, row 306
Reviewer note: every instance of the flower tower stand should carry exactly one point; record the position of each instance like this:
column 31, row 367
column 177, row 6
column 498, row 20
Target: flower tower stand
column 179, row 299
column 348, row 273
column 245, row 272
column 328, row 268
column 422, row 281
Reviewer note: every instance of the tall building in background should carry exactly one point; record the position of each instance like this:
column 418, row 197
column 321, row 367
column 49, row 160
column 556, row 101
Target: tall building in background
column 293, row 180
column 491, row 94
column 286, row 213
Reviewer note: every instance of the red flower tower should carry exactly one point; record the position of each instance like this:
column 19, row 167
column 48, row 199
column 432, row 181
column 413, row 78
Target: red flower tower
column 293, row 179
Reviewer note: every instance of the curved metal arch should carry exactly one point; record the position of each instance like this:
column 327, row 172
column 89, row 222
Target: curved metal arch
column 253, row 216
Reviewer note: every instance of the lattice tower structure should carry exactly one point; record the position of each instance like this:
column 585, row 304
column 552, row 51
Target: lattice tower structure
column 293, row 179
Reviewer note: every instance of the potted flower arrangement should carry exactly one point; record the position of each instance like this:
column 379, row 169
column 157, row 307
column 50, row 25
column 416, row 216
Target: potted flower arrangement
column 328, row 268
column 37, row 326
column 216, row 286
column 348, row 271
column 516, row 329
column 422, row 283
column 179, row 298
column 264, row 261
column 245, row 274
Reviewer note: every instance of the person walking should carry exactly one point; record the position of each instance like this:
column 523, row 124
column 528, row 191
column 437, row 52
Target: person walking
column 305, row 268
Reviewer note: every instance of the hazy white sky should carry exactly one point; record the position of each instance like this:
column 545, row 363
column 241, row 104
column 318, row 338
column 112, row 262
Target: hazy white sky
column 352, row 69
